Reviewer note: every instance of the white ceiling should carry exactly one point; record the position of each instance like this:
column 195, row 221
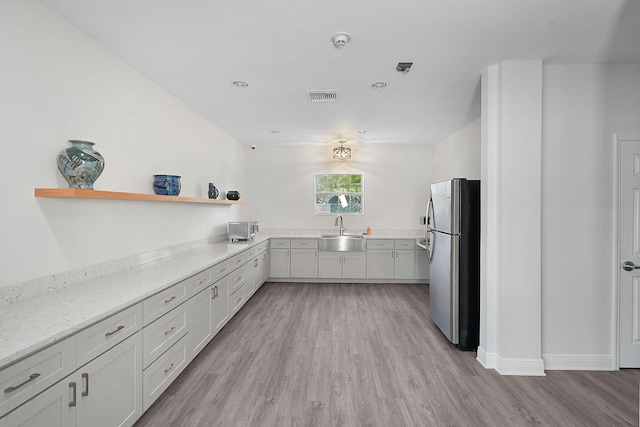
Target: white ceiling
column 282, row 48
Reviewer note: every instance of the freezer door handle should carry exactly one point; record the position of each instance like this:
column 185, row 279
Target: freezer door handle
column 431, row 236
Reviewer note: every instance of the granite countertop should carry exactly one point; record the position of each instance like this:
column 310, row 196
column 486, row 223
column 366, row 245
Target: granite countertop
column 29, row 325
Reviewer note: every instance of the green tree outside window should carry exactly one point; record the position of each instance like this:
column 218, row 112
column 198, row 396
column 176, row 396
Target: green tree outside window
column 329, row 188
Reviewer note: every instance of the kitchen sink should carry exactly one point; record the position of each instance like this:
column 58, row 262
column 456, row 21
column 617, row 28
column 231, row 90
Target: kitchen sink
column 342, row 242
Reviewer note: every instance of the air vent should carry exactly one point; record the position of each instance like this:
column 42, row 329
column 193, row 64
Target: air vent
column 322, row 95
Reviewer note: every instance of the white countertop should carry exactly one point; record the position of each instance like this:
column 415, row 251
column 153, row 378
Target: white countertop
column 31, row 324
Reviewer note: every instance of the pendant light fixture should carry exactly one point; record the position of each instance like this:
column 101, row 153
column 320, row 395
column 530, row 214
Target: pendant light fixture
column 341, row 152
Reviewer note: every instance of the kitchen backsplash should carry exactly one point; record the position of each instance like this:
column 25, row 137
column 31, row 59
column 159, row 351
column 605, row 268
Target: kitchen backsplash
column 42, row 285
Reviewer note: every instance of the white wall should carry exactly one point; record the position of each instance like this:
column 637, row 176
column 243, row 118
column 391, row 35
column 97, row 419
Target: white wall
column 396, row 185
column 583, row 106
column 458, row 156
column 57, row 84
column 511, row 224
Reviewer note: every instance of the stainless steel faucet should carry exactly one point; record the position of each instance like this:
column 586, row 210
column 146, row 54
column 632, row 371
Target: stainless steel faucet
column 340, row 221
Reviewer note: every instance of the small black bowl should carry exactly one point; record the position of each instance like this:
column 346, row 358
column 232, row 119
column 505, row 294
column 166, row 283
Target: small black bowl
column 233, row 195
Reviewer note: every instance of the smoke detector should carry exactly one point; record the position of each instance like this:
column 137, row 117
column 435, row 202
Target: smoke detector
column 340, row 39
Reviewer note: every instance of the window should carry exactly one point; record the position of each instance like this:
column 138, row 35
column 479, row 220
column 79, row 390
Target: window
column 339, row 194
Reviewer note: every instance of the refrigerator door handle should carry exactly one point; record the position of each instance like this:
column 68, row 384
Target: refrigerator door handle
column 430, row 216
column 431, row 236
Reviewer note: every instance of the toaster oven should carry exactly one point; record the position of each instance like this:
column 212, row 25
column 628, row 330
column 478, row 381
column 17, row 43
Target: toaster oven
column 242, row 230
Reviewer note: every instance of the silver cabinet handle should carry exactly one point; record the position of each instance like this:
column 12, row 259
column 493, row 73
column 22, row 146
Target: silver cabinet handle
column 216, row 291
column 72, row 386
column 171, row 329
column 201, row 281
column 85, row 378
column 15, row 387
column 173, row 365
column 629, row 266
column 119, row 328
column 167, row 301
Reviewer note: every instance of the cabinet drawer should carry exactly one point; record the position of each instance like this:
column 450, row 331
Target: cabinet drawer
column 219, row 270
column 405, row 244
column 262, row 247
column 304, row 243
column 380, row 244
column 250, row 254
column 163, row 333
column 23, row 380
column 200, row 281
column 280, row 243
column 236, row 261
column 237, row 299
column 165, row 301
column 237, row 278
column 100, row 337
column 157, row 377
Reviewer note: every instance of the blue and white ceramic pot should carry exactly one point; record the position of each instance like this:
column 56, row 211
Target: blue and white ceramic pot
column 166, row 185
column 80, row 164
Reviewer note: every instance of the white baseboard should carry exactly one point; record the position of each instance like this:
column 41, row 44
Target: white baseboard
column 524, row 367
column 579, row 362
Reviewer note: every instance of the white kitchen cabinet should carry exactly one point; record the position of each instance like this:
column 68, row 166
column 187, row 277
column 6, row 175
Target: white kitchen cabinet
column 209, row 313
column 280, row 263
column 404, row 264
column 263, row 267
column 50, row 408
column 162, row 372
column 160, row 335
column 354, row 265
column 391, row 259
column 221, row 309
column 304, row 258
column 339, row 265
column 405, row 259
column 105, row 392
column 28, row 377
column 304, row 263
column 201, row 329
column 422, row 264
column 380, row 264
column 108, row 390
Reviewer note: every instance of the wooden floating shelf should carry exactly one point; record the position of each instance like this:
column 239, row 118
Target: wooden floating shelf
column 83, row 193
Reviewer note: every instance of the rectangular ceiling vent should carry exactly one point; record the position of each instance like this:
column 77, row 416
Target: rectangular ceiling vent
column 322, row 95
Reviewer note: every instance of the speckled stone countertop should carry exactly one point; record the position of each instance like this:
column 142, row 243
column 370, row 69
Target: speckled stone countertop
column 31, row 324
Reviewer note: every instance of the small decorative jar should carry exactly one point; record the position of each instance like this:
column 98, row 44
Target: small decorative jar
column 213, row 191
column 233, row 195
column 166, row 185
column 80, row 164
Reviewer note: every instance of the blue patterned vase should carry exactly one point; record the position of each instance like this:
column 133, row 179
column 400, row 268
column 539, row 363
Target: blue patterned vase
column 166, row 185
column 80, row 164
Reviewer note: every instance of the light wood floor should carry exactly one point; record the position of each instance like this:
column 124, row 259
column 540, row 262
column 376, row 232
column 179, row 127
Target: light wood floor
column 368, row 355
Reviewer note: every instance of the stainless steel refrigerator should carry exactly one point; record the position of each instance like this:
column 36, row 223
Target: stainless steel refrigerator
column 453, row 244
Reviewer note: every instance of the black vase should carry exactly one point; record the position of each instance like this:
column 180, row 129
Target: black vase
column 233, row 195
column 213, row 191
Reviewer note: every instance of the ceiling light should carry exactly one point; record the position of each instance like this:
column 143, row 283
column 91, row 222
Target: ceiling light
column 379, row 85
column 340, row 39
column 240, row 83
column 342, row 152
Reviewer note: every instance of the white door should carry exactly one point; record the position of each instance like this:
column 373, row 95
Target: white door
column 629, row 241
